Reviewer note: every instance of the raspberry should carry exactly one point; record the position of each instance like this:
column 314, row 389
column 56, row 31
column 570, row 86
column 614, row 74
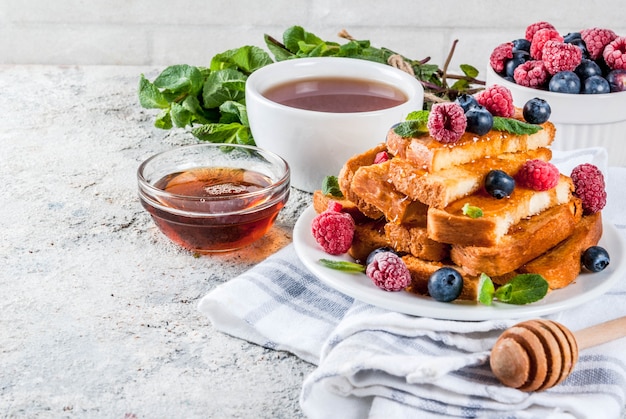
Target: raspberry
column 532, row 29
column 539, row 40
column 531, row 74
column 615, row 53
column 381, row 157
column 388, row 272
column 596, row 39
column 446, row 122
column 538, row 175
column 589, row 186
column 559, row 56
column 498, row 100
column 333, row 230
column 500, row 55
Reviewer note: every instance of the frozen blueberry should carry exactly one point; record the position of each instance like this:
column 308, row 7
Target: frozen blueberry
column 466, row 101
column 521, row 44
column 445, row 284
column 536, row 111
column 587, row 68
column 479, row 120
column 565, row 82
column 499, row 184
column 617, row 80
column 595, row 259
column 595, row 85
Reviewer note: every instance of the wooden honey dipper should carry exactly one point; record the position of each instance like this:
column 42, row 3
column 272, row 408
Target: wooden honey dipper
column 538, row 354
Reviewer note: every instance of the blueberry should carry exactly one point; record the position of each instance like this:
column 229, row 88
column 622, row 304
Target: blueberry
column 466, row 101
column 572, row 36
column 445, row 284
column 479, row 120
column 595, row 259
column 499, row 184
column 521, row 44
column 617, row 80
column 374, row 252
column 587, row 68
column 595, row 85
column 581, row 45
column 565, row 82
column 536, row 111
column 519, row 57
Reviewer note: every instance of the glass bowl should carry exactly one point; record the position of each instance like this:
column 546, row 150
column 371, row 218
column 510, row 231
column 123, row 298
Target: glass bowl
column 214, row 197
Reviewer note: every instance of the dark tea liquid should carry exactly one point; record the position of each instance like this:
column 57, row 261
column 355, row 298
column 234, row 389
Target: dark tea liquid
column 210, row 234
column 338, row 95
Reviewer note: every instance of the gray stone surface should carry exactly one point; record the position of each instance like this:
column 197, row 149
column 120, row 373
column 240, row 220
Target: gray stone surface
column 98, row 311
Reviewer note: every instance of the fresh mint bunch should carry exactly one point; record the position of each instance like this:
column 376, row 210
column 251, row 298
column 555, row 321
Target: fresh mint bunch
column 211, row 101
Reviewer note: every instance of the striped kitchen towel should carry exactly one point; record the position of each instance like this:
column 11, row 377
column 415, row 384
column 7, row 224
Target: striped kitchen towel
column 374, row 363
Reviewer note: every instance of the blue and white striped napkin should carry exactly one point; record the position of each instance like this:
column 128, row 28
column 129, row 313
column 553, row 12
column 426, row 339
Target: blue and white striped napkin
column 373, row 363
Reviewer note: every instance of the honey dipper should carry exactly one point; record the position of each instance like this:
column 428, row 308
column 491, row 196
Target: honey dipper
column 538, row 354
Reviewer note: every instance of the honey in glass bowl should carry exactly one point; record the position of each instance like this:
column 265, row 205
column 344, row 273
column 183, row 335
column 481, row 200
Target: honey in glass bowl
column 219, row 200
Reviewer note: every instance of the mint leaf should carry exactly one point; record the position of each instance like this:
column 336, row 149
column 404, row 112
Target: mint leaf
column 514, row 126
column 218, row 87
column 486, row 289
column 150, row 97
column 469, row 71
column 163, row 120
column 181, row 117
column 330, row 186
column 245, row 59
column 472, row 211
column 342, row 265
column 415, row 125
column 295, row 37
column 523, row 289
column 180, row 78
column 234, row 112
column 233, row 133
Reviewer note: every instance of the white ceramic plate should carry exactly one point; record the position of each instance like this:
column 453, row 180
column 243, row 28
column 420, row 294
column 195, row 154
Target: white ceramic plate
column 586, row 287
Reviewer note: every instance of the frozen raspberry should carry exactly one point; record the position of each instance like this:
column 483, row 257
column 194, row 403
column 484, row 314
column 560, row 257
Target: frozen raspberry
column 334, row 206
column 559, row 56
column 333, row 230
column 531, row 74
column 388, row 272
column 532, row 29
column 539, row 40
column 500, row 55
column 615, row 53
column 538, row 175
column 589, row 186
column 446, row 122
column 498, row 100
column 381, row 157
column 596, row 39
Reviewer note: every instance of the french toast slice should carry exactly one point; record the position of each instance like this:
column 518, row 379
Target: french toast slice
column 413, row 239
column 451, row 225
column 347, row 173
column 432, row 155
column 525, row 241
column 561, row 265
column 321, row 202
column 439, row 189
column 371, row 185
column 368, row 236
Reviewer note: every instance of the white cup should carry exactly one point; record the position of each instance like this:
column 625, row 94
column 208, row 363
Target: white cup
column 317, row 144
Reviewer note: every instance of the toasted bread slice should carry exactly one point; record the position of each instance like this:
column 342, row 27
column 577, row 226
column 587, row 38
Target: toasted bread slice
column 561, row 265
column 368, row 236
column 413, row 239
column 372, row 186
column 347, row 173
column 321, row 201
column 432, row 155
column 525, row 241
column 440, row 188
column 450, row 225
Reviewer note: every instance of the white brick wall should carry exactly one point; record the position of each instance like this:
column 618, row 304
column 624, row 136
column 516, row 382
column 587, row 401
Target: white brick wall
column 161, row 32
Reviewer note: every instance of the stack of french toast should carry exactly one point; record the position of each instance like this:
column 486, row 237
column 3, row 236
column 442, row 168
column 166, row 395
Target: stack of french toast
column 415, row 203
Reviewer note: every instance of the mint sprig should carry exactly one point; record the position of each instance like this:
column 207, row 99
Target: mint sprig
column 343, row 265
column 471, row 211
column 330, row 187
column 523, row 289
column 515, row 126
column 415, row 125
